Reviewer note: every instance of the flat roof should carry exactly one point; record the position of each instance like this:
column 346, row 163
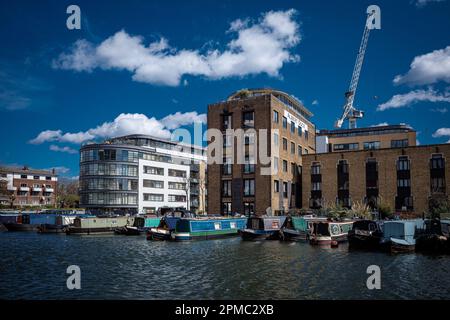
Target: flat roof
column 26, row 170
column 366, row 130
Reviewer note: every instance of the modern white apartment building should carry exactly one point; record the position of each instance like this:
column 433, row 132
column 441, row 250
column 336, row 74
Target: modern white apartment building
column 140, row 174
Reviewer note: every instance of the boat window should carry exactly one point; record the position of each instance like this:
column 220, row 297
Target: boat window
column 217, row 226
column 233, row 225
column 372, row 227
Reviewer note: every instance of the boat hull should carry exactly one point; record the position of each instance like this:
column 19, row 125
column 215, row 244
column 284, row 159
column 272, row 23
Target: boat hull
column 52, row 228
column 89, row 231
column 293, row 235
column 206, row 235
column 21, row 227
column 129, row 231
column 356, row 241
column 255, row 235
column 158, row 234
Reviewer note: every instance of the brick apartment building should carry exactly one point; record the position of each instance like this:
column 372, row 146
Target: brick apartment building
column 379, row 137
column 235, row 187
column 28, row 187
column 405, row 179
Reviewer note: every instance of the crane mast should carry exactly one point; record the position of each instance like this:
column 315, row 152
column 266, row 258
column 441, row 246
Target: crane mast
column 349, row 112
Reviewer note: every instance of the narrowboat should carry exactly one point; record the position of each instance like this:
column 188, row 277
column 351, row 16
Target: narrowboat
column 400, row 236
column 30, row 222
column 330, row 233
column 7, row 218
column 263, row 228
column 140, row 226
column 97, row 225
column 435, row 238
column 202, row 228
column 298, row 228
column 164, row 230
column 62, row 222
column 365, row 234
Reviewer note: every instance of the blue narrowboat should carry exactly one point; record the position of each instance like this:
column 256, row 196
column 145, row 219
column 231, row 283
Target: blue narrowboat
column 207, row 228
column 262, row 228
column 164, row 230
column 30, row 222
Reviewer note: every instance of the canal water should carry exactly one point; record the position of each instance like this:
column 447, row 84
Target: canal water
column 33, row 266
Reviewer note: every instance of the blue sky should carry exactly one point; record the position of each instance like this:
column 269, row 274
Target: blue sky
column 134, row 63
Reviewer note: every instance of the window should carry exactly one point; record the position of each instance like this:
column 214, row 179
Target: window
column 154, row 170
column 399, row 143
column 249, row 208
column 36, row 177
column 299, row 150
column 23, row 185
column 306, row 135
column 275, row 116
column 227, row 167
column 437, row 162
column 249, row 120
column 402, row 163
column 177, row 173
column 316, row 186
column 23, row 176
column 284, row 144
column 284, row 122
column 346, row 146
column 149, row 210
column 249, row 165
column 156, row 197
column 293, row 168
column 292, row 148
column 275, row 139
column 306, row 151
column 226, row 121
column 285, row 164
column 249, row 187
column 371, row 145
column 292, row 127
column 177, row 185
column 48, row 178
column 249, row 138
column 177, row 198
column 276, row 186
column 315, row 168
column 153, row 184
column 227, row 140
column 438, row 185
column 299, row 131
column 226, row 208
column 403, row 183
column 275, row 164
column 226, row 188
column 285, row 189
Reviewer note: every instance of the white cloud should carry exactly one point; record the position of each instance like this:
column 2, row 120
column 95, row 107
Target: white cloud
column 124, row 124
column 66, row 149
column 440, row 110
column 442, row 132
column 423, row 3
column 404, row 100
column 382, row 124
column 61, row 169
column 315, row 102
column 261, row 46
column 428, row 68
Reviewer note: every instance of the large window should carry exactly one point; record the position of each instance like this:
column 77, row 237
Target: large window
column 226, row 121
column 177, row 198
column 292, row 148
column 108, row 184
column 177, row 173
column 249, row 119
column 249, row 187
column 153, row 184
column 100, row 198
column 315, row 168
column 292, row 127
column 276, row 186
column 177, row 185
column 399, row 143
column 284, row 122
column 345, row 146
column 402, row 163
column 275, row 116
column 154, row 170
column 108, row 169
column 226, row 188
column 226, row 208
column 227, row 167
column 249, row 208
column 371, row 145
column 285, row 165
column 249, row 165
column 155, row 197
column 275, row 139
column 285, row 189
column 285, row 143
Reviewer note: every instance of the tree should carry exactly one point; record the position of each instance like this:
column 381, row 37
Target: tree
column 67, row 193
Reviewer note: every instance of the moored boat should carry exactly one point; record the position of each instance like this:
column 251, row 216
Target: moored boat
column 399, row 236
column 365, row 234
column 263, row 228
column 330, row 233
column 30, row 222
column 164, row 230
column 62, row 223
column 202, row 228
column 435, row 238
column 97, row 225
column 298, row 228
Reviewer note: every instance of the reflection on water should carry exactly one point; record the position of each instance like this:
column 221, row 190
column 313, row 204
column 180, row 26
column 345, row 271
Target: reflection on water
column 33, row 266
